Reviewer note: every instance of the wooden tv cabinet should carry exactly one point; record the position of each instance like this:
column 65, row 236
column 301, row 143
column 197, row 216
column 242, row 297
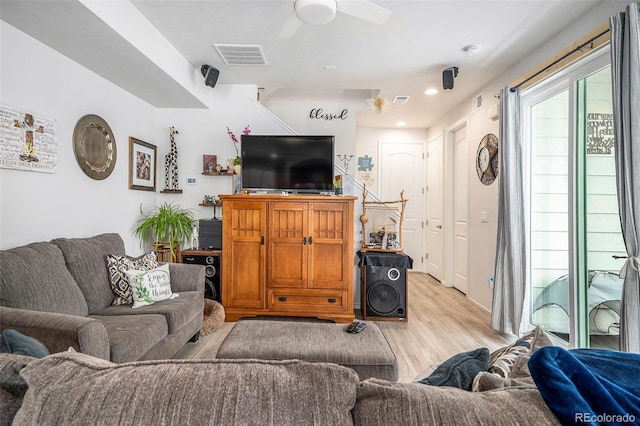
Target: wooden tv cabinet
column 288, row 255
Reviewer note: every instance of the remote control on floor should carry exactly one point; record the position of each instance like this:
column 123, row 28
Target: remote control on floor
column 352, row 326
column 361, row 326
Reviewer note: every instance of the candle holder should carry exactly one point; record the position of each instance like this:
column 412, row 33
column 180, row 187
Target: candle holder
column 345, row 161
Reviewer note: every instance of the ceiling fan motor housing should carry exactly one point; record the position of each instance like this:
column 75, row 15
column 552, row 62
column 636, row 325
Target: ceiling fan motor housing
column 316, row 12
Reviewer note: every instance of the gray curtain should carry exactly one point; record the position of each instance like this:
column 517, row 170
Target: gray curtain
column 625, row 69
column 510, row 267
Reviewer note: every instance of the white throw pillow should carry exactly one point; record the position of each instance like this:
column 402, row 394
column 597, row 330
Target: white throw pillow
column 151, row 286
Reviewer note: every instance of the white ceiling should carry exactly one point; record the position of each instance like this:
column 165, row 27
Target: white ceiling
column 403, row 56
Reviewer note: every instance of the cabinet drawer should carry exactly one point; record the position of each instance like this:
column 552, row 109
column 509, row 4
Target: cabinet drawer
column 307, row 300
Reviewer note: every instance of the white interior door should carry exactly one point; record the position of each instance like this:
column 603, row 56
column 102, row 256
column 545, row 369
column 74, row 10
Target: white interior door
column 434, row 222
column 402, row 168
column 460, row 210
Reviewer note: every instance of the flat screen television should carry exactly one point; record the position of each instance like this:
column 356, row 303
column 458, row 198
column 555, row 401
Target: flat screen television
column 291, row 163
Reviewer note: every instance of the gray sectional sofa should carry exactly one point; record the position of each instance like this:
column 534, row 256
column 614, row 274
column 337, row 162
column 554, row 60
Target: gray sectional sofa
column 59, row 293
column 73, row 388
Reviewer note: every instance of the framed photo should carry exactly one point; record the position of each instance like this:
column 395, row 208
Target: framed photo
column 142, row 165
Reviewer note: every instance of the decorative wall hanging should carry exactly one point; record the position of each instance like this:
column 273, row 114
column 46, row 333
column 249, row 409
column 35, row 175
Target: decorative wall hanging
column 27, row 142
column 142, row 165
column 378, row 105
column 171, row 165
column 94, row 147
column 600, row 133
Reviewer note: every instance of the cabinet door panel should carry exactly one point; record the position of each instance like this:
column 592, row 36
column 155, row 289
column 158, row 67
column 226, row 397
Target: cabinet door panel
column 288, row 224
column 329, row 230
column 247, row 289
column 243, row 262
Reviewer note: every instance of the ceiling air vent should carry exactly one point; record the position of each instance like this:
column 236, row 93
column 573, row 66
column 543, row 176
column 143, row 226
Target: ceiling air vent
column 241, row 54
column 400, row 99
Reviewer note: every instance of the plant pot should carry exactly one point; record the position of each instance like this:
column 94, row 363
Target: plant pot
column 237, row 169
column 165, row 252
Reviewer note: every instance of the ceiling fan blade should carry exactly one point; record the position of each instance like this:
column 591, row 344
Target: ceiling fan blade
column 290, row 26
column 364, row 9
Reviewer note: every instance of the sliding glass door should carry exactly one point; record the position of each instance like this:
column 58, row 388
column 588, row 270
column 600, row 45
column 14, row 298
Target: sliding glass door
column 573, row 225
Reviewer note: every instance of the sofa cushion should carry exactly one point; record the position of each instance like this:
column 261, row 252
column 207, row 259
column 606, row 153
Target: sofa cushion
column 86, row 260
column 130, row 336
column 74, row 388
column 459, row 370
column 34, row 277
column 12, row 385
column 384, row 403
column 178, row 312
column 117, row 266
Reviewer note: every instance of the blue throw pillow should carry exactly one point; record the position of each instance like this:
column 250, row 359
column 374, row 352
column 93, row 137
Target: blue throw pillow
column 13, row 342
column 459, row 370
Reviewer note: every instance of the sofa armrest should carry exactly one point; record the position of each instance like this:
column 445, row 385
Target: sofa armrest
column 59, row 331
column 187, row 277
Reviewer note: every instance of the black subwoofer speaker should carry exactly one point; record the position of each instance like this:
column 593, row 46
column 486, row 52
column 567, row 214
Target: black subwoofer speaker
column 385, row 291
column 211, row 272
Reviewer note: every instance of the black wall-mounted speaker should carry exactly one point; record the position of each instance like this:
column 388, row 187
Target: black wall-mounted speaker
column 448, row 75
column 385, row 292
column 210, row 75
column 211, row 272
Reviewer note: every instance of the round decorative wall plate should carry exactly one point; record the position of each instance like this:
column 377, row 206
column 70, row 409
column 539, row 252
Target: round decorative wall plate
column 94, row 147
column 487, row 160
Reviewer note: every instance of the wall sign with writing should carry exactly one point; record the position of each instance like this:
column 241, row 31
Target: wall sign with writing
column 27, row 141
column 600, row 139
column 319, row 114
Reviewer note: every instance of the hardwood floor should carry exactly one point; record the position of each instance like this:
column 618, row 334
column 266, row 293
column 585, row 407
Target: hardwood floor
column 442, row 323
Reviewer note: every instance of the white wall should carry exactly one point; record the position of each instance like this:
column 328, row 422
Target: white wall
column 42, row 206
column 482, row 236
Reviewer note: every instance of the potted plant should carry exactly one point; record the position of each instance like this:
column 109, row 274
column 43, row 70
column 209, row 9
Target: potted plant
column 165, row 227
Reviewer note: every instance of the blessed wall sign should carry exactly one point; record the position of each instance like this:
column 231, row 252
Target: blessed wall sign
column 319, row 114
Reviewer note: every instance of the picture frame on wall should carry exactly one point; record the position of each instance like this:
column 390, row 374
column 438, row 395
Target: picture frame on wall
column 142, row 165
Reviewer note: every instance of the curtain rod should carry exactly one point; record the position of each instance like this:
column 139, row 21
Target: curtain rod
column 560, row 59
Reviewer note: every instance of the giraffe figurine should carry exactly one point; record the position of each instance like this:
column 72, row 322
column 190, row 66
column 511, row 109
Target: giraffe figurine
column 171, row 163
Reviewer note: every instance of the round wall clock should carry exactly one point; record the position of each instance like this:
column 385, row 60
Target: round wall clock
column 487, row 159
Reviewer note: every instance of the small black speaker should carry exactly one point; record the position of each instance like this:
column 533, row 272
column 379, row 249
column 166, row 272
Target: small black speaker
column 210, row 75
column 210, row 234
column 385, row 291
column 211, row 273
column 448, row 75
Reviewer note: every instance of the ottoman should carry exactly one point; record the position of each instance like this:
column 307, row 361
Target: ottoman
column 367, row 353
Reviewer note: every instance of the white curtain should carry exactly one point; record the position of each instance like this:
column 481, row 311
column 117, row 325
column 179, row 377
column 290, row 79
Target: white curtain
column 510, row 267
column 625, row 69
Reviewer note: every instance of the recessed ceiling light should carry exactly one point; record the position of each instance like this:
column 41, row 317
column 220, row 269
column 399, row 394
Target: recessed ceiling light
column 431, row 91
column 330, row 68
column 401, row 123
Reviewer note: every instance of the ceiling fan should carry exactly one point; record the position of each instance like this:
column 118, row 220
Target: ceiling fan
column 320, row 12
